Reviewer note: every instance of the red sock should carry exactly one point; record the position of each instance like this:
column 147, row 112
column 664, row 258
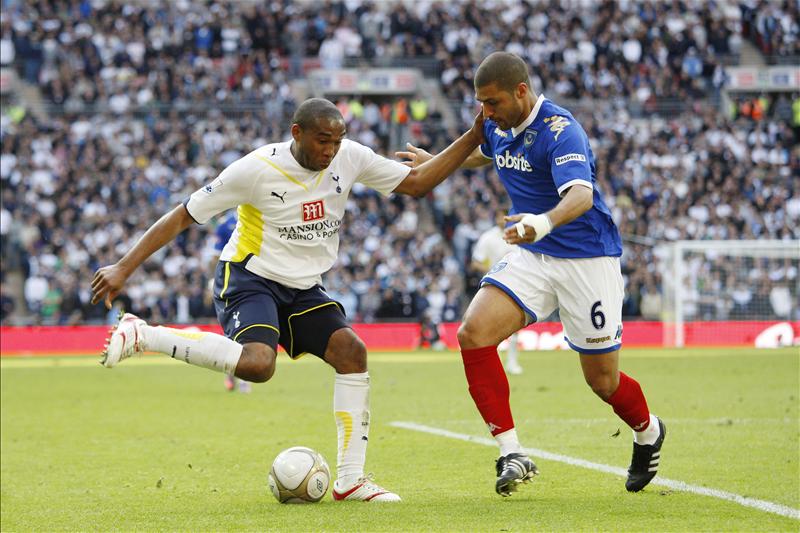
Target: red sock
column 488, row 386
column 629, row 403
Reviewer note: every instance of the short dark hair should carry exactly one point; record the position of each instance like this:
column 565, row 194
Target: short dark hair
column 504, row 69
column 309, row 112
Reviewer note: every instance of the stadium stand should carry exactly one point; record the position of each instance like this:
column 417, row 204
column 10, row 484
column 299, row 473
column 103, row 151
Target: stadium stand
column 142, row 103
column 774, row 27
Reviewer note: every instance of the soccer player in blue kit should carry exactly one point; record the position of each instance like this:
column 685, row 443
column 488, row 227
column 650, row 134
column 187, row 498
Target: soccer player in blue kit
column 567, row 259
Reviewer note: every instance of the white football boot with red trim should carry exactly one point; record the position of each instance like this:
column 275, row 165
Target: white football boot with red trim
column 364, row 490
column 125, row 341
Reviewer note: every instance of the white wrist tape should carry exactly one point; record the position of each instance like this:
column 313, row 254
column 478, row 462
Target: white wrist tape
column 540, row 223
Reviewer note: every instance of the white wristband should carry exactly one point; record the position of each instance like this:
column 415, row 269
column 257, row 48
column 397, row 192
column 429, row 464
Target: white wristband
column 540, row 223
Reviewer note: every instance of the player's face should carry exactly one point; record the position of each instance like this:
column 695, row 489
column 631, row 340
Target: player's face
column 318, row 145
column 503, row 107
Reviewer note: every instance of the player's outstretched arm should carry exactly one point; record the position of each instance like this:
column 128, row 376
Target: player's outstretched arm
column 427, row 175
column 415, row 156
column 533, row 227
column 109, row 280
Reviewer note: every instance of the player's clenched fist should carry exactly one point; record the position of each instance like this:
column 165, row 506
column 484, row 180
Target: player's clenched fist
column 528, row 228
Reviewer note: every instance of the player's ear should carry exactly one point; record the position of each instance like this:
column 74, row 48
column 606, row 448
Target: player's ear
column 296, row 132
column 522, row 90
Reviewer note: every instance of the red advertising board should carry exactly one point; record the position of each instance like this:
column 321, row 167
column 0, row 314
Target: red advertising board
column 65, row 340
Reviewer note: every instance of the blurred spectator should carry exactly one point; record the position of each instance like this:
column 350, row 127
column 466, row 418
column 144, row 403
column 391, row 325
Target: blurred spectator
column 651, row 302
column 6, row 302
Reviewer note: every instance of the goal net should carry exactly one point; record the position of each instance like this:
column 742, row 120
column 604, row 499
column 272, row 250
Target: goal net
column 731, row 292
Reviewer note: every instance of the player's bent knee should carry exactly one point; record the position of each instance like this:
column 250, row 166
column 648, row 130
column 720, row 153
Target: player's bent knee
column 257, row 363
column 346, row 352
column 470, row 336
column 603, row 385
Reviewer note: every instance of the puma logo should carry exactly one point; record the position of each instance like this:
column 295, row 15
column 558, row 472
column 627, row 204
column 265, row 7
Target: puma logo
column 273, row 152
column 276, row 195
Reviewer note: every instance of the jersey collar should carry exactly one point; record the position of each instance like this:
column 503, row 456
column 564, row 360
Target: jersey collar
column 528, row 121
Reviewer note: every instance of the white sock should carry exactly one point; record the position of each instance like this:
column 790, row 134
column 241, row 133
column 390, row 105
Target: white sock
column 511, row 351
column 351, row 409
column 650, row 433
column 509, row 443
column 200, row 348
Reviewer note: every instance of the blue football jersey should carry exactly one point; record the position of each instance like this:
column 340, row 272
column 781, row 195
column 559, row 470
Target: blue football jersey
column 224, row 231
column 537, row 162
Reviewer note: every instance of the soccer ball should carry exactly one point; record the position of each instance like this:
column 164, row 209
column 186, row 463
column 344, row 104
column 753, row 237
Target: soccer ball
column 299, row 475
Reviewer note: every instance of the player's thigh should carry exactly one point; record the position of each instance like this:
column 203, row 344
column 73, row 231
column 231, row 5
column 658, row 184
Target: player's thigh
column 491, row 317
column 309, row 323
column 247, row 309
column 590, row 293
column 514, row 293
column 520, row 293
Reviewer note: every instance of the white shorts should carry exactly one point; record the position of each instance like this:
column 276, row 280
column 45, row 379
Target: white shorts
column 587, row 292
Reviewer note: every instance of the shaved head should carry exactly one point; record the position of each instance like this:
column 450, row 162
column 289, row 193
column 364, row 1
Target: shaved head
column 318, row 129
column 312, row 110
column 505, row 70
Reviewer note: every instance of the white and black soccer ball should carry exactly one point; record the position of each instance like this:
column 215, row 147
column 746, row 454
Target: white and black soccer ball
column 299, row 475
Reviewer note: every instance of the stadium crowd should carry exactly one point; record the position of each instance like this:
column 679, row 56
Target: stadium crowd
column 147, row 107
column 774, row 27
column 122, row 54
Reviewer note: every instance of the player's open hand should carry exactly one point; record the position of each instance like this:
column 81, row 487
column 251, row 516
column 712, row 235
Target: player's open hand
column 107, row 283
column 416, row 156
column 512, row 234
column 477, row 127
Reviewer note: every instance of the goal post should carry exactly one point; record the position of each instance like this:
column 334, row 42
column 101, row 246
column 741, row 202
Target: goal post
column 719, row 290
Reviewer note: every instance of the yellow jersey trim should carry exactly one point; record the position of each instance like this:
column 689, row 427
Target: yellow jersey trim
column 251, row 233
column 290, row 177
column 257, row 326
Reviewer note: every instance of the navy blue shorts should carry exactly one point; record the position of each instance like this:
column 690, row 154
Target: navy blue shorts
column 251, row 308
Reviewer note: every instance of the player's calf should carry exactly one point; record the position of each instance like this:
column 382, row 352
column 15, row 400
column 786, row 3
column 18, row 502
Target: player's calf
column 133, row 336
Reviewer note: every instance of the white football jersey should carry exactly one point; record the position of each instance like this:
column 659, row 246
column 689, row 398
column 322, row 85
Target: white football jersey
column 289, row 216
column 491, row 247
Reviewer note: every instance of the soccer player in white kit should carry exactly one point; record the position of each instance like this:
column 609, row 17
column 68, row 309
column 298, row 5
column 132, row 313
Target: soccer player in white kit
column 567, row 258
column 488, row 251
column 291, row 199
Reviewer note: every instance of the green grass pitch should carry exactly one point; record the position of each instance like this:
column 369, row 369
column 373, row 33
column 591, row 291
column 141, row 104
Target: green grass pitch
column 156, row 445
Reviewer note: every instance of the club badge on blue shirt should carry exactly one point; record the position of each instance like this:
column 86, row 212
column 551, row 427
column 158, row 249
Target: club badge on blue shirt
column 530, row 136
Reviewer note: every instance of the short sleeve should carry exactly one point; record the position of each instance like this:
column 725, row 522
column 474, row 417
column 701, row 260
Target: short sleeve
column 487, row 148
column 568, row 154
column 378, row 172
column 231, row 188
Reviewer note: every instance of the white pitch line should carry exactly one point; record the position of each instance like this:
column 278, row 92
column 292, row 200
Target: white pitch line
column 761, row 505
